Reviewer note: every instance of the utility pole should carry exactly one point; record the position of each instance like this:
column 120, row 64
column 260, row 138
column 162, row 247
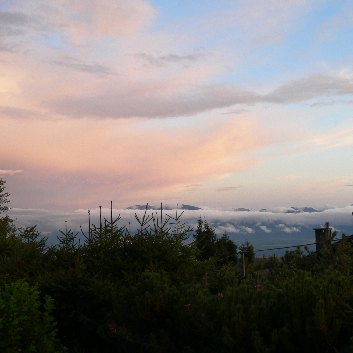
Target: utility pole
column 89, row 224
column 111, row 212
column 111, row 217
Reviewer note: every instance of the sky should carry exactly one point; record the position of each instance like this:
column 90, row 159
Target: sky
column 216, row 103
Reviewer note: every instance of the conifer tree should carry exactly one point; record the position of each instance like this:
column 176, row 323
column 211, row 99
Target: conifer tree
column 4, row 197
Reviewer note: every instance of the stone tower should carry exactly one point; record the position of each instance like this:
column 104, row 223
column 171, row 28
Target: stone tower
column 323, row 237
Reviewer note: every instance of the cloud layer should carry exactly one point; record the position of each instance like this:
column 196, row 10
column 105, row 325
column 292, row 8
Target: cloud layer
column 101, row 60
column 133, row 101
column 265, row 230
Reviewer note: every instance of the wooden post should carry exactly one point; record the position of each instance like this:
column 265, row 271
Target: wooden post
column 111, row 211
column 89, row 224
column 111, row 216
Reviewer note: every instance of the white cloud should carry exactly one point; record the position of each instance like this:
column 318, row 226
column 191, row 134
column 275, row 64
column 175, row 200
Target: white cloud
column 169, row 59
column 247, row 230
column 161, row 99
column 109, row 77
column 228, row 188
column 71, row 59
column 88, row 67
column 320, row 85
column 231, row 228
column 265, row 229
column 227, row 228
column 10, row 171
column 151, row 99
column 92, row 18
column 287, row 229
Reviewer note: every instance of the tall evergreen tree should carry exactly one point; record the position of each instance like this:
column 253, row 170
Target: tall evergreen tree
column 4, row 197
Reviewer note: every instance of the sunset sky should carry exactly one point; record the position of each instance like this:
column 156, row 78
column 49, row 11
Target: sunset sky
column 215, row 103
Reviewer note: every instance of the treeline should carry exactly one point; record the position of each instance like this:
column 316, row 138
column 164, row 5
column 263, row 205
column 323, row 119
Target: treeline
column 154, row 292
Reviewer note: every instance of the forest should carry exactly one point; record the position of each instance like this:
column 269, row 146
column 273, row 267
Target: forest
column 157, row 291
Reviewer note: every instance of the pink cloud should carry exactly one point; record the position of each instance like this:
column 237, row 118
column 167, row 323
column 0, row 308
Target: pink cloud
column 83, row 161
column 10, row 171
column 152, row 75
column 91, row 18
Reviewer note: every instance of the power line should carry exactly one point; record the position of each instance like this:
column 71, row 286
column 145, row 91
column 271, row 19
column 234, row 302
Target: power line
column 294, row 246
column 286, row 247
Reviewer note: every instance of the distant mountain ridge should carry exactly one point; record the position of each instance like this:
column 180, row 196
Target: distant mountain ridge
column 292, row 209
column 301, row 209
column 165, row 207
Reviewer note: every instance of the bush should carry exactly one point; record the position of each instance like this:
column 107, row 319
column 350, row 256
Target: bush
column 26, row 324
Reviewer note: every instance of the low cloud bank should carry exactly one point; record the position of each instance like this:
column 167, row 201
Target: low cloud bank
column 263, row 229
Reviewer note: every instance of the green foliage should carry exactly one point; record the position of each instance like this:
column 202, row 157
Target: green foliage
column 155, row 292
column 209, row 245
column 26, row 323
column 7, row 227
column 4, row 197
column 22, row 254
column 31, row 235
column 205, row 240
column 248, row 250
column 67, row 240
column 226, row 250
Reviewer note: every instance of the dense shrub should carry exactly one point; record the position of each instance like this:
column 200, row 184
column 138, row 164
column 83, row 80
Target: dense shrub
column 155, row 292
column 26, row 322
